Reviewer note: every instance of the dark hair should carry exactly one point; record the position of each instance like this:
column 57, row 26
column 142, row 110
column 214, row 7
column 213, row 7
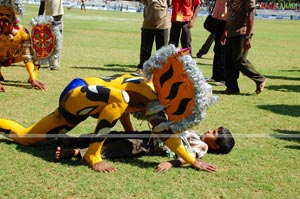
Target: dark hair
column 225, row 141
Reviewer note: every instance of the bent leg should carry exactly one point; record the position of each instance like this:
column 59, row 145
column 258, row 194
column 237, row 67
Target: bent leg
column 48, row 127
column 108, row 117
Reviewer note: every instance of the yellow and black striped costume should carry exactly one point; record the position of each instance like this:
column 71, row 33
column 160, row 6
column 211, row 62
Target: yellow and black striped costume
column 106, row 99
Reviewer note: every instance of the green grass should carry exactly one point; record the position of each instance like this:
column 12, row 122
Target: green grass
column 264, row 163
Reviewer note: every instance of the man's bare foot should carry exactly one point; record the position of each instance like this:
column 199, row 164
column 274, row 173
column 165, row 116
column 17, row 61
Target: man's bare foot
column 65, row 153
column 101, row 166
column 260, row 87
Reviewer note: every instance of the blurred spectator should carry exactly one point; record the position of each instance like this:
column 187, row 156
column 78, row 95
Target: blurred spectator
column 155, row 27
column 184, row 14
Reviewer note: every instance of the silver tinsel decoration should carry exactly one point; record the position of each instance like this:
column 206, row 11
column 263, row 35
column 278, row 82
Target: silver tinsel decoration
column 42, row 20
column 202, row 98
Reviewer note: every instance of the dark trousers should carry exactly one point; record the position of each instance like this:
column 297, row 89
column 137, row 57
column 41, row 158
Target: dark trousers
column 182, row 31
column 147, row 40
column 218, row 62
column 206, row 45
column 236, row 61
column 118, row 145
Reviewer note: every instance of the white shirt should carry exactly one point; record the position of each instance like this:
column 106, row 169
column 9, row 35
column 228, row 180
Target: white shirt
column 53, row 7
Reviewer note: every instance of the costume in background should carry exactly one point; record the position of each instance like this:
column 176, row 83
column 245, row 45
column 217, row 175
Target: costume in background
column 53, row 8
column 15, row 41
column 46, row 40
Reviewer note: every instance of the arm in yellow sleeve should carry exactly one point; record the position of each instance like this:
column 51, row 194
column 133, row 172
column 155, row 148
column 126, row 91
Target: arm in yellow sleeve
column 174, row 143
column 31, row 71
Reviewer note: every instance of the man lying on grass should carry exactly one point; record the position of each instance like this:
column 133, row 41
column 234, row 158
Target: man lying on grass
column 219, row 141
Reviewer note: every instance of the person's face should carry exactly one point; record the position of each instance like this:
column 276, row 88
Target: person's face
column 6, row 20
column 210, row 138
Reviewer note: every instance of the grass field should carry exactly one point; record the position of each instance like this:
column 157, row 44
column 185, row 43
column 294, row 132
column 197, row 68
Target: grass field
column 264, row 163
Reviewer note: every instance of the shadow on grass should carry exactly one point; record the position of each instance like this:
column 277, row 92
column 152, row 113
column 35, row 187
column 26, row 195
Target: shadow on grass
column 283, row 109
column 296, row 69
column 285, row 88
column 222, row 92
column 19, row 84
column 292, row 136
column 19, row 64
column 110, row 67
column 283, row 78
column 136, row 161
column 203, row 64
column 46, row 151
column 207, row 58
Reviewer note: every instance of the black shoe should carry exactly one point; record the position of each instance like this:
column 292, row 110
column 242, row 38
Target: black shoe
column 199, row 54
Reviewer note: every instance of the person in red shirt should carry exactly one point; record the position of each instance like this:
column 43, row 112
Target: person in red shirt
column 184, row 13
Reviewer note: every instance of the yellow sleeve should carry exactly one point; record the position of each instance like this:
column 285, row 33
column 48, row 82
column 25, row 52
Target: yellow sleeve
column 93, row 155
column 175, row 144
column 31, row 71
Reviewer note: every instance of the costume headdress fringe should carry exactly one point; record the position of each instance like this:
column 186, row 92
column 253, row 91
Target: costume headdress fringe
column 201, row 97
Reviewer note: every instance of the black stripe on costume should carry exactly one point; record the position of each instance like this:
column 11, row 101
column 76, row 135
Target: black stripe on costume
column 85, row 112
column 135, row 80
column 166, row 76
column 101, row 125
column 56, row 131
column 72, row 119
column 102, row 93
column 174, row 90
column 182, row 106
column 110, row 78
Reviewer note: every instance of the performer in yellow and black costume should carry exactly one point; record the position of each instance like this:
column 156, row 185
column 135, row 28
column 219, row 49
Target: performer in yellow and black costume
column 15, row 42
column 108, row 100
